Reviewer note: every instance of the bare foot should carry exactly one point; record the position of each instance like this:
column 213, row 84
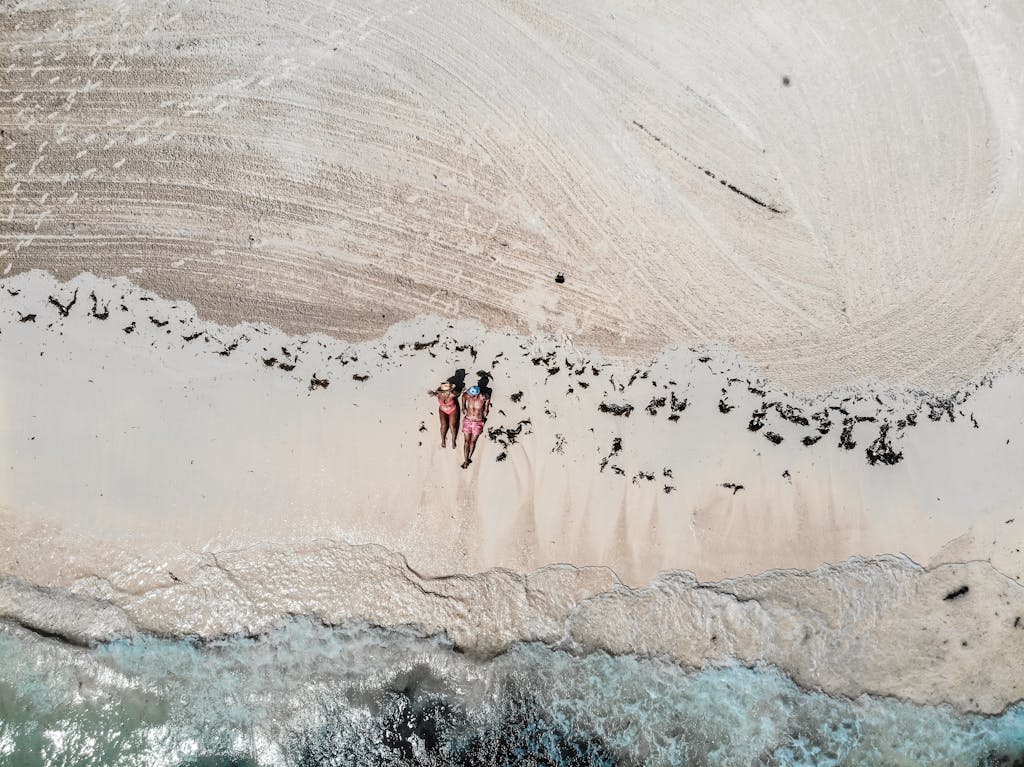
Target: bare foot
column 465, row 464
column 444, row 442
column 453, row 445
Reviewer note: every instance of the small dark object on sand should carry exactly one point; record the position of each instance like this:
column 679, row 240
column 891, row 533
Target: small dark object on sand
column 957, row 593
column 732, row 486
column 559, row 278
column 625, row 410
column 358, row 377
column 321, row 383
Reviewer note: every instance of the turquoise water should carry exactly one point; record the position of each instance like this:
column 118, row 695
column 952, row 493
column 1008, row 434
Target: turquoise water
column 310, row 695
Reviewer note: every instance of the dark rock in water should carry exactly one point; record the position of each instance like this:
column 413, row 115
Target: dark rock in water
column 220, row 761
column 881, row 450
column 956, row 593
column 418, row 722
column 1011, row 757
column 606, row 407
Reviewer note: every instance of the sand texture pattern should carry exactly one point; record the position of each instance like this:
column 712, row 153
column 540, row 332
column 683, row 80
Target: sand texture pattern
column 832, row 189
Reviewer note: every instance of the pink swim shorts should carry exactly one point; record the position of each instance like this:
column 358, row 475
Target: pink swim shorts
column 472, row 426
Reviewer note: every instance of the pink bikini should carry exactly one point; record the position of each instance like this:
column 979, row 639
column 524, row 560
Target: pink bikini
column 447, row 407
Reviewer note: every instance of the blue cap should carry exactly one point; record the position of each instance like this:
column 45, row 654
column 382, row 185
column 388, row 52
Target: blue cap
column 473, row 391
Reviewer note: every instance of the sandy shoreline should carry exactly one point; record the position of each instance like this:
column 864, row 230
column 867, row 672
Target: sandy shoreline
column 204, row 491
column 151, row 427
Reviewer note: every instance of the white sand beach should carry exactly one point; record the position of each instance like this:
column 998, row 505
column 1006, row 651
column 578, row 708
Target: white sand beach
column 745, row 283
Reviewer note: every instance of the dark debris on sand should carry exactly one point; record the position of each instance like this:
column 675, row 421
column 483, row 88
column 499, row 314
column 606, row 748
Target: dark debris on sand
column 956, row 593
column 64, row 309
column 95, row 312
column 881, row 450
column 606, row 407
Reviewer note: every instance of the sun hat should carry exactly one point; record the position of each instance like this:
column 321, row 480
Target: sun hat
column 473, row 391
column 446, row 386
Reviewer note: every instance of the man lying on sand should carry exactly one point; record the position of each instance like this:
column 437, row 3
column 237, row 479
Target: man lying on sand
column 448, row 411
column 475, row 404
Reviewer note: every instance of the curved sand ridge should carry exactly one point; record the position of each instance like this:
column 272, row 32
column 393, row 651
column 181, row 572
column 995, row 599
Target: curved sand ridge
column 834, row 191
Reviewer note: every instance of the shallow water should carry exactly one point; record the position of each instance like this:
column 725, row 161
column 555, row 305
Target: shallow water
column 312, row 695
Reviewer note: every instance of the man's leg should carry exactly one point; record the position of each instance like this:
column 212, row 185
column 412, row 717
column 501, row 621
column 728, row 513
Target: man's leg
column 467, row 444
column 472, row 445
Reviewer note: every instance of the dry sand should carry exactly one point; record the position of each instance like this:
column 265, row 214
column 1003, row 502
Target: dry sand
column 744, row 203
column 339, row 168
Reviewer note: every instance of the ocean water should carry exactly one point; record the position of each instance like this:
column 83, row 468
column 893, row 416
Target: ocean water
column 313, row 696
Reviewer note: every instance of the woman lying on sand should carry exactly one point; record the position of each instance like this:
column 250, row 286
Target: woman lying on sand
column 476, row 405
column 448, row 411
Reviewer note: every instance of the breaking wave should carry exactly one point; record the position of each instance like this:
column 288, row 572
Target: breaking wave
column 310, row 695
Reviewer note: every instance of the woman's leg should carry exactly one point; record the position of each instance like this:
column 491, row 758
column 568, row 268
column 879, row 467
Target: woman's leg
column 454, row 418
column 444, row 428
